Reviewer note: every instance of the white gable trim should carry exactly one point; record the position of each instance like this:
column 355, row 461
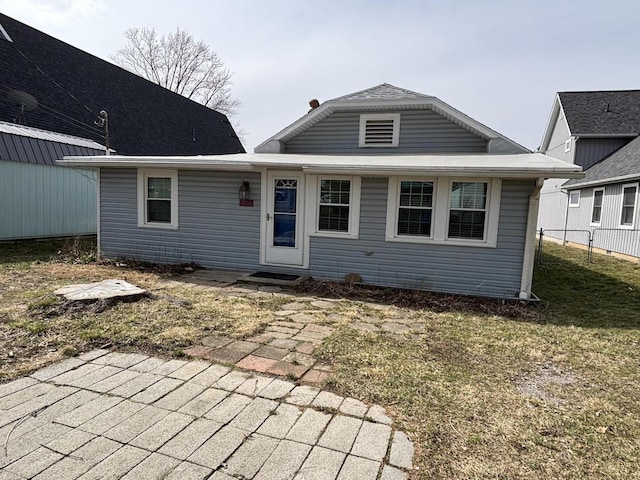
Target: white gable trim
column 556, row 109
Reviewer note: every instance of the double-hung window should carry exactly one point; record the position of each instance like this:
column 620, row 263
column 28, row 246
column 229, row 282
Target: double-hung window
column 443, row 210
column 629, row 198
column 158, row 198
column 338, row 206
column 596, row 212
column 468, row 210
column 415, row 209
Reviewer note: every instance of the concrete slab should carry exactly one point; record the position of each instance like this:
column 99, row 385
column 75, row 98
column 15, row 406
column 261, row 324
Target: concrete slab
column 100, row 290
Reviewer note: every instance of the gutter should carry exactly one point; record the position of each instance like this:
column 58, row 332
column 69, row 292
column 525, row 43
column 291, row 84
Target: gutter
column 530, row 242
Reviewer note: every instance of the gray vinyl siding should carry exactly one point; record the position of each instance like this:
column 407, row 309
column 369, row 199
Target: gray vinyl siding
column 439, row 268
column 608, row 236
column 215, row 232
column 421, row 131
column 590, row 151
column 44, row 201
column 557, row 141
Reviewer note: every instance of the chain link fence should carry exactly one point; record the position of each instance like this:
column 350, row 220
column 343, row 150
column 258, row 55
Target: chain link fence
column 623, row 241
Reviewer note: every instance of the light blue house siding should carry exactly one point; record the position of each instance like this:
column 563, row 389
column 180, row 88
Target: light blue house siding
column 46, row 201
column 421, row 131
column 214, row 231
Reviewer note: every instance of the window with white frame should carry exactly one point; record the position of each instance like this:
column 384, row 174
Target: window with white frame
column 574, row 198
column 468, row 210
column 567, row 145
column 158, row 198
column 629, row 198
column 443, row 211
column 379, row 130
column 596, row 212
column 338, row 206
column 415, row 208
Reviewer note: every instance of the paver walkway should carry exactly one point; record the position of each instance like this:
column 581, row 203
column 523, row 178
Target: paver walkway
column 287, row 344
column 109, row 415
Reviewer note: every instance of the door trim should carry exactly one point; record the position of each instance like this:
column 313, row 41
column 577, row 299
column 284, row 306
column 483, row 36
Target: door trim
column 303, row 190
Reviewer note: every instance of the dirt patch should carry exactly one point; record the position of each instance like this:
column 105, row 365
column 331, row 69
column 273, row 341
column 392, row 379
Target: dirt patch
column 535, row 383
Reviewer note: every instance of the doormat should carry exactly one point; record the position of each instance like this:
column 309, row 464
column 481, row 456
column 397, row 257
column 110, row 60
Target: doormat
column 275, row 276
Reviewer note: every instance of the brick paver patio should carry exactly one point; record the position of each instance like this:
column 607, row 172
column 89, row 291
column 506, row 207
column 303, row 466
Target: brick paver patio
column 110, row 415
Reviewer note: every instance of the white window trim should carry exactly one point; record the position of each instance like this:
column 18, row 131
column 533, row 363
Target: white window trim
column 379, row 116
column 440, row 213
column 635, row 206
column 143, row 174
column 577, row 204
column 393, row 206
column 354, row 207
column 593, row 206
column 567, row 145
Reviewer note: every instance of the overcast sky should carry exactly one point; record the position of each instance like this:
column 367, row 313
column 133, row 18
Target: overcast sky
column 500, row 62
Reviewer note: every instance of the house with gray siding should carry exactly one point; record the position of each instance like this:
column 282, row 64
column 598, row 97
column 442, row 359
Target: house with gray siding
column 386, row 185
column 597, row 130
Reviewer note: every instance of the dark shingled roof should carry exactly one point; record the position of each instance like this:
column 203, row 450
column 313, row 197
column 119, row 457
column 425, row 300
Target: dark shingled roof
column 602, row 113
column 622, row 163
column 72, row 86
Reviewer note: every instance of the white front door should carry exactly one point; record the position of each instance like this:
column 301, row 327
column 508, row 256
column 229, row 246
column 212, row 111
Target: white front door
column 284, row 227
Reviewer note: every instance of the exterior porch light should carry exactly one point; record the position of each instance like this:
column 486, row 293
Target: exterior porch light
column 244, row 193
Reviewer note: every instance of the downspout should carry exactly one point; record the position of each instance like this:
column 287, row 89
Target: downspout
column 530, row 241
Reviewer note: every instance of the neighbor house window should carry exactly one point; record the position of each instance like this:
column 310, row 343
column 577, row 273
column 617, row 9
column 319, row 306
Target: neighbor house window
column 415, row 209
column 338, row 206
column 596, row 213
column 567, row 145
column 443, row 211
column 468, row 210
column 629, row 196
column 158, row 198
column 379, row 130
column 574, row 198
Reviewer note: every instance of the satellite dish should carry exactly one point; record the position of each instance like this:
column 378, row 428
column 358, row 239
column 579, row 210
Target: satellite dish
column 24, row 100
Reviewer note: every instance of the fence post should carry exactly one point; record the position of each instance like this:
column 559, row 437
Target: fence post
column 590, row 250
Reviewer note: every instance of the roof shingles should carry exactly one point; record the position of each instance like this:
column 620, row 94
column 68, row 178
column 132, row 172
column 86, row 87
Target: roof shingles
column 615, row 112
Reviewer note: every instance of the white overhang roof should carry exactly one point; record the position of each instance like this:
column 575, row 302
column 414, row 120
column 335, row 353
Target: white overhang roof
column 524, row 165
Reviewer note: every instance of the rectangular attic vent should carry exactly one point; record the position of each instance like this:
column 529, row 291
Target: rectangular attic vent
column 379, row 130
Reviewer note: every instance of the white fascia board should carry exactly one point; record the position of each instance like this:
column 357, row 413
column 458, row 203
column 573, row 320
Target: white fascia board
column 182, row 163
column 553, row 117
column 444, row 171
column 607, row 181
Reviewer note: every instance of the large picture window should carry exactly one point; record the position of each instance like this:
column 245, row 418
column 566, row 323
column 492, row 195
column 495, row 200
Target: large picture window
column 468, row 210
column 158, row 198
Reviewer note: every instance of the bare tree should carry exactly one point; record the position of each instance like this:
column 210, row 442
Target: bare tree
column 181, row 64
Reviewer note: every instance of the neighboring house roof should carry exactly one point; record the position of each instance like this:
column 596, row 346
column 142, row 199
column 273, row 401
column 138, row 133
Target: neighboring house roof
column 33, row 145
column 392, row 98
column 528, row 165
column 72, row 87
column 607, row 113
column 622, row 165
column 602, row 113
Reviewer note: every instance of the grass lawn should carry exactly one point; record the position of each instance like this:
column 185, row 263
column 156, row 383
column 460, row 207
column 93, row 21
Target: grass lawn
column 550, row 393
